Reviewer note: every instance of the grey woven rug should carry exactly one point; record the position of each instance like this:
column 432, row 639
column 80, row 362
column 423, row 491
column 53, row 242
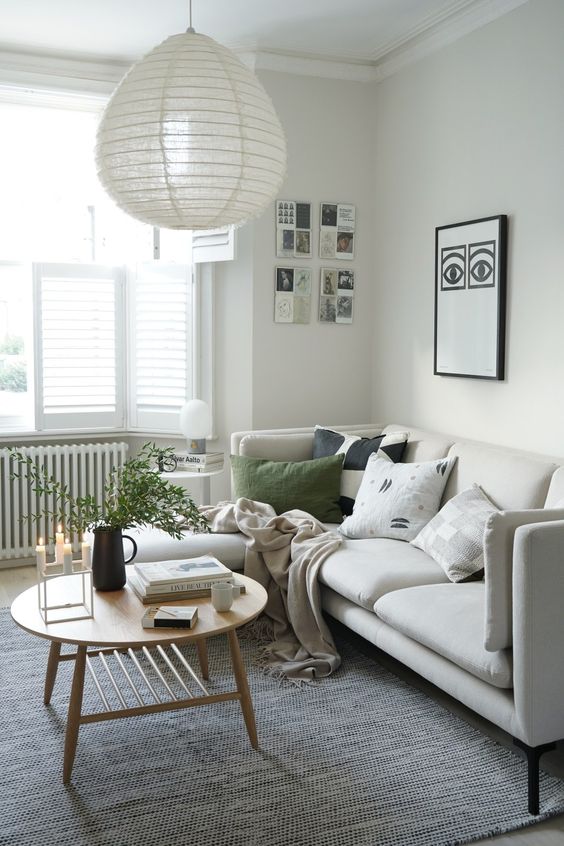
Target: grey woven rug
column 359, row 759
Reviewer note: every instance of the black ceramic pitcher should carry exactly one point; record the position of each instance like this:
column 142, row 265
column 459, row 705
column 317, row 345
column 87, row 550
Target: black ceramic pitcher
column 108, row 563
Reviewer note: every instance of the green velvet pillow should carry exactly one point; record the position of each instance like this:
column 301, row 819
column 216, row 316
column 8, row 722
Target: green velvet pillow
column 313, row 486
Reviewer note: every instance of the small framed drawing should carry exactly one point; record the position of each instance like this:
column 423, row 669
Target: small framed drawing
column 470, row 295
column 292, row 295
column 336, row 295
column 293, row 229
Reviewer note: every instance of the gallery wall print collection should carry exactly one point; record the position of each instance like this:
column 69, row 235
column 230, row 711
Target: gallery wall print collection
column 294, row 240
column 470, row 298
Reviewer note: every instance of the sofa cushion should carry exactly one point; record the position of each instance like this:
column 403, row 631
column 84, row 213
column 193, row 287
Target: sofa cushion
column 454, row 538
column 555, row 495
column 397, row 500
column 512, row 480
column 312, row 486
column 364, row 570
column 448, row 619
column 498, row 566
column 357, row 451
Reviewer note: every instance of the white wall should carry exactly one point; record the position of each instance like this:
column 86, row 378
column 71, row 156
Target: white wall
column 477, row 129
column 316, row 373
column 275, row 375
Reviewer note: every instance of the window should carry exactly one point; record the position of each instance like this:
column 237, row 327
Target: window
column 94, row 334
column 162, row 340
column 114, row 348
column 16, row 345
column 79, row 346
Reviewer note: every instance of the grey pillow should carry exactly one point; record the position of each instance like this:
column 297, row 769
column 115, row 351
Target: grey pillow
column 454, row 538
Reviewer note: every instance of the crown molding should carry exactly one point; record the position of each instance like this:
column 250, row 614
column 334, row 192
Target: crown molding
column 70, row 75
column 65, row 74
column 466, row 18
column 308, row 65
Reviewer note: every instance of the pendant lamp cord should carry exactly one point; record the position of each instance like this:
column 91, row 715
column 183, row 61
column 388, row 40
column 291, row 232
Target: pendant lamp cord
column 190, row 27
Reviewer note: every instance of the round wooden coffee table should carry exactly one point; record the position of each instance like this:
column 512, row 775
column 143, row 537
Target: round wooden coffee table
column 131, row 663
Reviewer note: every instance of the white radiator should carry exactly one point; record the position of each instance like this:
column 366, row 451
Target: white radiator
column 83, row 467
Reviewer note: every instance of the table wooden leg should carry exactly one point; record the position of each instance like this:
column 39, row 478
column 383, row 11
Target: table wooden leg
column 75, row 708
column 243, row 688
column 202, row 648
column 52, row 667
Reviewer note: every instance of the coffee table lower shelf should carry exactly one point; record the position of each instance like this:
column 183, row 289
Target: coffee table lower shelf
column 116, row 681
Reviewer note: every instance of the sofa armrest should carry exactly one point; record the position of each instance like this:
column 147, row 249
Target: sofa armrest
column 538, row 631
column 499, row 537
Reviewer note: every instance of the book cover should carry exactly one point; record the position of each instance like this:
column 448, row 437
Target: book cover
column 181, row 587
column 171, row 616
column 201, row 459
column 150, row 599
column 182, row 570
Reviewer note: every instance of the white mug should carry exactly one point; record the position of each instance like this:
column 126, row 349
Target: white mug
column 222, row 596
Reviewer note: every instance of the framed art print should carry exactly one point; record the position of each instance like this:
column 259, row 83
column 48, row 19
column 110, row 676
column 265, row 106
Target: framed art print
column 336, row 295
column 293, row 229
column 292, row 294
column 470, row 294
column 337, row 225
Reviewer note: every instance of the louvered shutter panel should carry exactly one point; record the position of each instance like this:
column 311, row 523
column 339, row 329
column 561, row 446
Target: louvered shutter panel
column 78, row 346
column 218, row 245
column 161, row 301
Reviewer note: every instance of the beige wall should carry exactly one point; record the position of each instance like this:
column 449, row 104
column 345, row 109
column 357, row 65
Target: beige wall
column 477, row 129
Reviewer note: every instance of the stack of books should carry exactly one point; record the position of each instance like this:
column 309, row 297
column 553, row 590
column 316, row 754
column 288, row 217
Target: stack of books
column 188, row 578
column 199, row 462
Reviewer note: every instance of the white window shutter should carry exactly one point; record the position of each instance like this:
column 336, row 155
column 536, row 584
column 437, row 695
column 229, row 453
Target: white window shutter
column 161, row 308
column 216, row 245
column 79, row 346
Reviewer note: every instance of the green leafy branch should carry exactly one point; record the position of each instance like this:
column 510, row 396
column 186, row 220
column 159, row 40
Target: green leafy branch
column 135, row 494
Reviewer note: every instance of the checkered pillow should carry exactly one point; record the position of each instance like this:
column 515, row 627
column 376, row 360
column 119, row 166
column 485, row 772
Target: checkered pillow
column 454, row 538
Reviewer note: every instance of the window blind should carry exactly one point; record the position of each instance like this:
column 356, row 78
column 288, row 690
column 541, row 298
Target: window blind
column 217, row 245
column 79, row 346
column 162, row 338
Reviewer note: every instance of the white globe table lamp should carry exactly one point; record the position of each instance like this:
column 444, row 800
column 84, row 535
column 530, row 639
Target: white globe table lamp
column 195, row 425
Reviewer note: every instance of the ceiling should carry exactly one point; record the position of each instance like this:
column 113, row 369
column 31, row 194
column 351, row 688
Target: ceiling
column 357, row 31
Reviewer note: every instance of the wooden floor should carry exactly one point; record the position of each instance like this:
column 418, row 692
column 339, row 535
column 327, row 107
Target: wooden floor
column 551, row 833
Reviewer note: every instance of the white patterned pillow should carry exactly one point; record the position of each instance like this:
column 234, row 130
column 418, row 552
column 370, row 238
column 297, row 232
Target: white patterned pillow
column 455, row 536
column 397, row 500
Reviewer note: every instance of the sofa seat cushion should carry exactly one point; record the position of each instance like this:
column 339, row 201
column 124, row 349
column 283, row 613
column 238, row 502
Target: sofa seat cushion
column 449, row 619
column 156, row 545
column 364, row 570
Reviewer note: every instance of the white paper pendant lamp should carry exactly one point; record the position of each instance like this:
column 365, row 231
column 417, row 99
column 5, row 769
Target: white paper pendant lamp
column 190, row 138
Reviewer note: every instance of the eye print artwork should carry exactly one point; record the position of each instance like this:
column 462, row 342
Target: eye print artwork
column 481, row 264
column 453, row 268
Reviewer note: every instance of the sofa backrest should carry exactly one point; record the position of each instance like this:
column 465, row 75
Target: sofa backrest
column 422, row 445
column 512, row 480
column 289, row 444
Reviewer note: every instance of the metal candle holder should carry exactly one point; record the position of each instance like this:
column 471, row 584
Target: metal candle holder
column 81, row 572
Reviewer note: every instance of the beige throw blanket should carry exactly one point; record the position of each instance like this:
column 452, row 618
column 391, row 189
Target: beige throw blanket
column 284, row 553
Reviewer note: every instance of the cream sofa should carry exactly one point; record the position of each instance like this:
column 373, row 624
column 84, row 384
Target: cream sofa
column 497, row 645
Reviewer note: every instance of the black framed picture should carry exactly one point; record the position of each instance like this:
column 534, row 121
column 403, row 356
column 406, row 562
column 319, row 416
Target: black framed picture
column 470, row 296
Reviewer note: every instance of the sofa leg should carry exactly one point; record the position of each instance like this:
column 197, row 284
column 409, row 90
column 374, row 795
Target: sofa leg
column 533, row 754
